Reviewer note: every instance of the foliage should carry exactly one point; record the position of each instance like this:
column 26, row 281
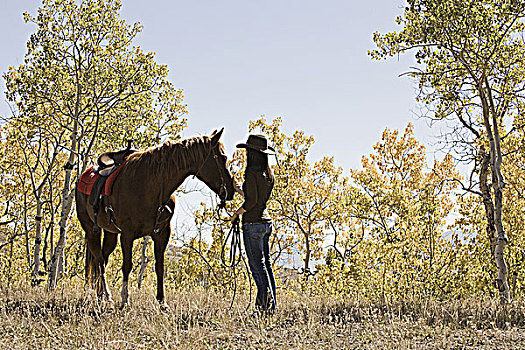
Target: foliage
column 388, row 221
column 384, row 232
column 82, row 89
column 304, row 202
column 80, row 65
column 402, row 209
column 462, row 47
column 476, row 259
column 206, row 264
column 470, row 72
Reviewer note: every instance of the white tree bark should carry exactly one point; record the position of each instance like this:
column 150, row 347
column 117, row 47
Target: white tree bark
column 38, row 238
column 38, row 184
column 67, row 202
column 498, row 183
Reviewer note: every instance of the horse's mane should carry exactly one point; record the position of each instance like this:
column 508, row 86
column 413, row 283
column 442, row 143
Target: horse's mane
column 171, row 156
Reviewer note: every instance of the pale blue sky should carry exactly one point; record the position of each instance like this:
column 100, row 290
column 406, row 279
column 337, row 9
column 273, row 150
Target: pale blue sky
column 236, row 60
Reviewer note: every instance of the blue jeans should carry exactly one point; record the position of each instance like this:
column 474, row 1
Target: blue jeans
column 256, row 243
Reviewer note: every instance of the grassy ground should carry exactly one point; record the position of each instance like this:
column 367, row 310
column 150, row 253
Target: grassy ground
column 71, row 318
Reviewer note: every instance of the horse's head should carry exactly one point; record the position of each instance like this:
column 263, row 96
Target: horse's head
column 213, row 171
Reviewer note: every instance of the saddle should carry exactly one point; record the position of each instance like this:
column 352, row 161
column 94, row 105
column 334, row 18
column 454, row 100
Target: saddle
column 97, row 181
column 109, row 161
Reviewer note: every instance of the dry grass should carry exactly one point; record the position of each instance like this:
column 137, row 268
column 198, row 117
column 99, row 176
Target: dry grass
column 71, row 318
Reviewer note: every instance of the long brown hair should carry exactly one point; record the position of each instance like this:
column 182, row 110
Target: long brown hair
column 258, row 161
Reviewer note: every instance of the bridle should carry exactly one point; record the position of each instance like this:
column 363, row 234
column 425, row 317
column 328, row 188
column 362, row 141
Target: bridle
column 159, row 222
column 223, row 190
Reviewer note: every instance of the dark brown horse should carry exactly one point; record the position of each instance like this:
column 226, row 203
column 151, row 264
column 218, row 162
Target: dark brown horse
column 141, row 203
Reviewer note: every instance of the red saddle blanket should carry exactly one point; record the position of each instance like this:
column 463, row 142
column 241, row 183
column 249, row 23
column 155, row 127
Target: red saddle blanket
column 88, row 178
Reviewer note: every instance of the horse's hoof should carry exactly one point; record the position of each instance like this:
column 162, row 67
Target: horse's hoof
column 164, row 305
column 105, row 298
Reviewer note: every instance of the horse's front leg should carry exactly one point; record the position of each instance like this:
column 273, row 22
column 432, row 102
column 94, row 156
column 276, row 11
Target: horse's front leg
column 160, row 242
column 126, row 244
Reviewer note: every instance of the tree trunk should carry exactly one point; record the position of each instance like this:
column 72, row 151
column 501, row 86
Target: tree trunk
column 67, row 202
column 498, row 183
column 26, row 229
column 501, row 242
column 307, row 258
column 501, row 237
column 487, row 198
column 143, row 260
column 497, row 241
column 38, row 238
column 10, row 278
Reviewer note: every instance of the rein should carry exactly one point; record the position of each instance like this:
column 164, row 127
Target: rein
column 235, row 246
column 235, row 258
column 223, row 188
column 159, row 222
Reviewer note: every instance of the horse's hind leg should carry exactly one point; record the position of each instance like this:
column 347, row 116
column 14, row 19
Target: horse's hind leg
column 94, row 243
column 108, row 246
column 94, row 256
column 160, row 241
column 94, row 262
column 126, row 244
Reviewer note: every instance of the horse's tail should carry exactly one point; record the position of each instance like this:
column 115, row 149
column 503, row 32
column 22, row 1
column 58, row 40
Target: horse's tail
column 92, row 272
column 92, row 235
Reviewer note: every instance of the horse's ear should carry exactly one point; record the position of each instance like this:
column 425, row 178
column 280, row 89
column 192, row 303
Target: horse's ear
column 216, row 136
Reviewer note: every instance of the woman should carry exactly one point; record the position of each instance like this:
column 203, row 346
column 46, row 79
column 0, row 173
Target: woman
column 256, row 222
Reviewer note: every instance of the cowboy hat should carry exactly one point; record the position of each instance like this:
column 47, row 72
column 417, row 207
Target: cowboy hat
column 257, row 143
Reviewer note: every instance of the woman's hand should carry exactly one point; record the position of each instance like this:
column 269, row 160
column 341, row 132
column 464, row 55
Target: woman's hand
column 238, row 212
